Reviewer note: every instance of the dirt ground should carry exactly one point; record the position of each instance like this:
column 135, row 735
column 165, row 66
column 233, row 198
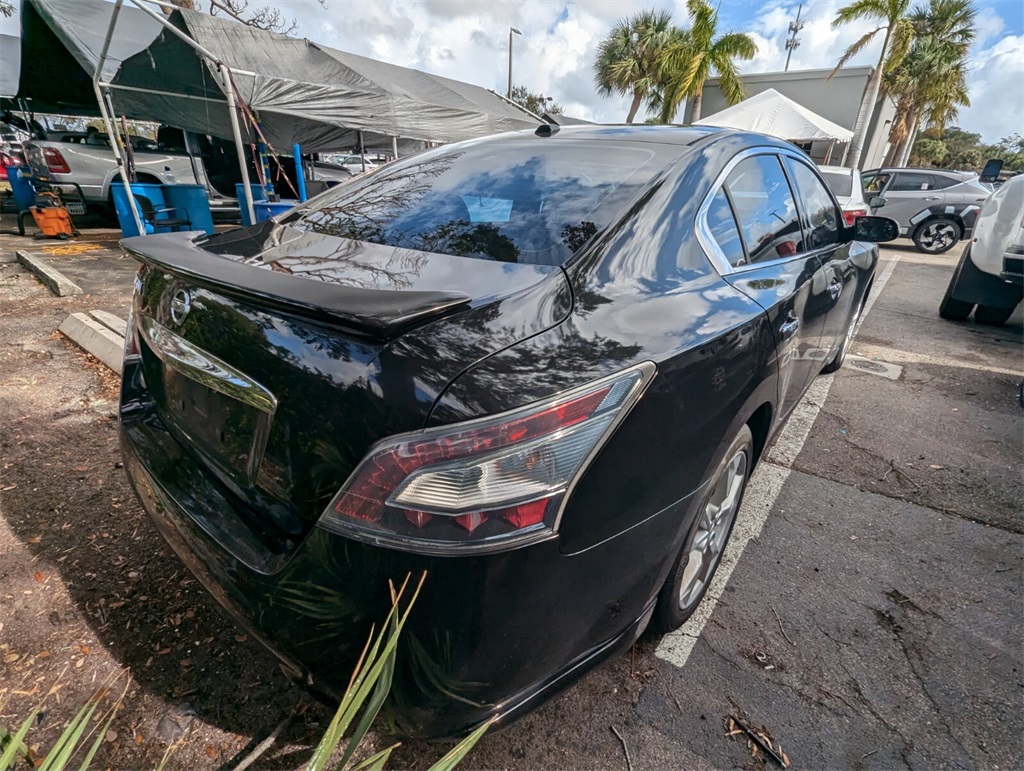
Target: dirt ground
column 89, row 592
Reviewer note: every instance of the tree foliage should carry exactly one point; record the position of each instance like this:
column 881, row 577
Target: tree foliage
column 955, row 148
column 6, row 8
column 630, row 60
column 696, row 55
column 899, row 33
column 267, row 17
column 930, row 84
column 535, row 103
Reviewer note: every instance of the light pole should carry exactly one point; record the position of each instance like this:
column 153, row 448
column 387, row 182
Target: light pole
column 511, row 31
column 792, row 43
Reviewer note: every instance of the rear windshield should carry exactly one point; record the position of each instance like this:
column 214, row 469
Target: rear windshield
column 840, row 182
column 529, row 202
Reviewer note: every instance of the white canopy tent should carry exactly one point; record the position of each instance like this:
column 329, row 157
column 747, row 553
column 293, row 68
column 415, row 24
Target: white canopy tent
column 776, row 115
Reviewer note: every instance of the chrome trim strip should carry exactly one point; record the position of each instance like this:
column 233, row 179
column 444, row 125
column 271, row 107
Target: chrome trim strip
column 205, row 368
column 175, row 352
column 703, row 230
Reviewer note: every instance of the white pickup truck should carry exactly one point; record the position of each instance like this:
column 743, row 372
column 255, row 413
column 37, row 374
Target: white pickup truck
column 86, row 160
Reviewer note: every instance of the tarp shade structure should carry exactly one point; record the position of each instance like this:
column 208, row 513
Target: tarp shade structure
column 303, row 93
column 61, row 43
column 10, row 56
column 776, row 115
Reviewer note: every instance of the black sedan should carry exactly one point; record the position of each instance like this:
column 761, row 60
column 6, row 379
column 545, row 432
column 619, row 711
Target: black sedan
column 540, row 366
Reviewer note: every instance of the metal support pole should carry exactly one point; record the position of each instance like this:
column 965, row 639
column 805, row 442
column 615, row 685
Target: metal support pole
column 362, row 152
column 828, row 155
column 394, row 147
column 511, row 31
column 108, row 121
column 229, row 91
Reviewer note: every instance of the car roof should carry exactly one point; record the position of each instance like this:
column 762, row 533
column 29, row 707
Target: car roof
column 962, row 175
column 662, row 134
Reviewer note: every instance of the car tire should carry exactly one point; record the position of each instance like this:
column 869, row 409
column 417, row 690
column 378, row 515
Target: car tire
column 937, row 236
column 836, row 363
column 697, row 562
column 996, row 317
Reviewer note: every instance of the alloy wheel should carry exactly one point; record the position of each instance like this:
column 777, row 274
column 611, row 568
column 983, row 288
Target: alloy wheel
column 938, row 236
column 713, row 527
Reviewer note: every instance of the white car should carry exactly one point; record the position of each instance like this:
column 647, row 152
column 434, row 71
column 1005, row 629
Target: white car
column 847, row 188
column 991, row 271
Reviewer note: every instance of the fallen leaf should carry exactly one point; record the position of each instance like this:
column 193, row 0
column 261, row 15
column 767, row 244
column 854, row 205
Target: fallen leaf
column 111, row 735
column 211, row 751
column 84, row 649
column 934, row 466
column 186, row 662
column 10, row 658
column 241, row 638
column 43, row 655
column 35, row 539
column 39, row 575
column 9, row 487
column 138, row 738
column 78, row 664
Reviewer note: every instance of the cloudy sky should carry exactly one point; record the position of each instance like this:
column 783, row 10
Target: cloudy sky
column 468, row 40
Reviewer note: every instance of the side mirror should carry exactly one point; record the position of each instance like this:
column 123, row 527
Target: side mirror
column 876, row 202
column 875, row 229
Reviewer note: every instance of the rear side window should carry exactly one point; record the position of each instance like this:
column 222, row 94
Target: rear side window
column 840, row 182
column 534, row 202
column 723, row 227
column 907, row 181
column 941, row 182
column 764, row 208
column 821, row 220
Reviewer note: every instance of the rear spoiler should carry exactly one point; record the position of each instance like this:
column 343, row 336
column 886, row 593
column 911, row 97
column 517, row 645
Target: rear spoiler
column 381, row 314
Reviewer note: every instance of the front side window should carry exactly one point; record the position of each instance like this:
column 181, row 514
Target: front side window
column 873, row 183
column 534, row 203
column 821, row 220
column 765, row 209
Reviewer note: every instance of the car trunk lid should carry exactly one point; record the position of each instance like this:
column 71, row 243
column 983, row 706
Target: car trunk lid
column 276, row 358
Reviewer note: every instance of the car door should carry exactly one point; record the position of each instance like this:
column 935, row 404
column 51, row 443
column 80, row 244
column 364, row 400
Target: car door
column 752, row 225
column 833, row 298
column 907, row 194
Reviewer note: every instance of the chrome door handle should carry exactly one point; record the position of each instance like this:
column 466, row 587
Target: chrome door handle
column 933, row 198
column 835, row 288
column 789, row 327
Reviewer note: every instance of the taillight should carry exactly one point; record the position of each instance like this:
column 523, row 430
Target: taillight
column 55, row 161
column 851, row 215
column 484, row 485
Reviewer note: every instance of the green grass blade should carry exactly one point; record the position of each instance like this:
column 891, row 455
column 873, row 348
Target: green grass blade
column 100, row 737
column 460, row 750
column 17, row 741
column 377, row 698
column 375, row 762
column 58, row 757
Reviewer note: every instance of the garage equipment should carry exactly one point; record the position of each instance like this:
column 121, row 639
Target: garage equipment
column 50, row 215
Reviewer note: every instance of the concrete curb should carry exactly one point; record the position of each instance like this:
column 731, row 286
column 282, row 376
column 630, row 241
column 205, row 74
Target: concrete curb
column 95, row 338
column 53, row 279
column 115, row 324
column 7, row 257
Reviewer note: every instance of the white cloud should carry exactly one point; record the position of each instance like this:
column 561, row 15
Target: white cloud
column 468, row 40
column 997, row 90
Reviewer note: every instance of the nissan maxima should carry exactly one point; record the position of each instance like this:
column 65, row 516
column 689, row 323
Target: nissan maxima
column 540, row 366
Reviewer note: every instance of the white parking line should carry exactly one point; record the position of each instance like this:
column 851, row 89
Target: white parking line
column 762, row 491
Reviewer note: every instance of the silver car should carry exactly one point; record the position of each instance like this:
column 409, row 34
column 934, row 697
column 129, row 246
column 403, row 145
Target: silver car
column 934, row 207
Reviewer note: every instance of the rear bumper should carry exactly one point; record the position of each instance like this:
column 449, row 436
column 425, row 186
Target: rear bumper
column 490, row 635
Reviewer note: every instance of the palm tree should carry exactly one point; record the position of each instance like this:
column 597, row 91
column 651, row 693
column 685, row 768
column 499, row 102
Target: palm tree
column 694, row 58
column 629, row 60
column 931, row 83
column 891, row 16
